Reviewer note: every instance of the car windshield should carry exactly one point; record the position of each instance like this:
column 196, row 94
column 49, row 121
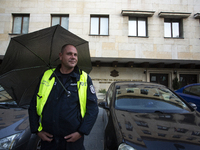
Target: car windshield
column 5, row 98
column 145, row 98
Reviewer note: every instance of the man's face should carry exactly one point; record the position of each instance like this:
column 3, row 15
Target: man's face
column 69, row 57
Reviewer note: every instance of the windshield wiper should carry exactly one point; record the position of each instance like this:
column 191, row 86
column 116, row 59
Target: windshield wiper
column 127, row 110
column 157, row 111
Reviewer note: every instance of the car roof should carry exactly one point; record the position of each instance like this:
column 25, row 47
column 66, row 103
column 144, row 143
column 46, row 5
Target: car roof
column 186, row 86
column 194, row 84
column 138, row 83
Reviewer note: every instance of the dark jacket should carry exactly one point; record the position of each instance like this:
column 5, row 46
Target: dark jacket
column 61, row 114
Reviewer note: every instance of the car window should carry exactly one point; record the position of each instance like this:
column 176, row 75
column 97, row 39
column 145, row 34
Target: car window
column 192, row 90
column 142, row 98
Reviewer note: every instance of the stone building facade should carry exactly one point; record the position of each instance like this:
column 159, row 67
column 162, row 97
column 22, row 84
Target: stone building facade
column 139, row 40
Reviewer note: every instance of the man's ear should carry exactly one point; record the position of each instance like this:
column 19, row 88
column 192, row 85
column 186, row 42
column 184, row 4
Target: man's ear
column 60, row 56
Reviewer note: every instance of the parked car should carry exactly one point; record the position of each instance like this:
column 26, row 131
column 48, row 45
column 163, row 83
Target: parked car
column 148, row 116
column 191, row 93
column 14, row 126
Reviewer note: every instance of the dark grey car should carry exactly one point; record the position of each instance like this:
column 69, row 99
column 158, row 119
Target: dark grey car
column 14, row 126
column 148, row 116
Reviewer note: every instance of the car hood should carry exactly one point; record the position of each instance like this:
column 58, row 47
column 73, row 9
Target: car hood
column 160, row 131
column 13, row 120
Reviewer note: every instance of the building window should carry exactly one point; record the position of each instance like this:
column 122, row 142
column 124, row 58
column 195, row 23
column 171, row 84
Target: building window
column 20, row 23
column 99, row 25
column 62, row 20
column 186, row 79
column 173, row 28
column 137, row 26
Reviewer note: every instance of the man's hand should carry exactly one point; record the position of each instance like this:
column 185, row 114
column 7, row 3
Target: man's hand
column 45, row 136
column 73, row 137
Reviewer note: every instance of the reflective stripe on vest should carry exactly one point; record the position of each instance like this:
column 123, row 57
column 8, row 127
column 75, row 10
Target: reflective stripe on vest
column 46, row 86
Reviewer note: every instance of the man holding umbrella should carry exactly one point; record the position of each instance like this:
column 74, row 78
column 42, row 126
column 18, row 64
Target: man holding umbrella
column 64, row 107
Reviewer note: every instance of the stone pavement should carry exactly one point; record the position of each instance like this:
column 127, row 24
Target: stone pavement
column 94, row 141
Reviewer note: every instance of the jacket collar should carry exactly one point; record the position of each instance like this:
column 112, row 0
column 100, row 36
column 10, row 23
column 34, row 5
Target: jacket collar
column 74, row 74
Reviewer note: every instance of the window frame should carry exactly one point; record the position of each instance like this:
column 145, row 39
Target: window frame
column 146, row 26
column 22, row 22
column 99, row 27
column 171, row 21
column 60, row 19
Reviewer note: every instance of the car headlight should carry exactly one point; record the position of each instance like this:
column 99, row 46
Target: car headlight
column 8, row 142
column 124, row 146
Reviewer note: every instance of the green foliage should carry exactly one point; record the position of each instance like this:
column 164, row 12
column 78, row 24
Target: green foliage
column 102, row 91
column 175, row 84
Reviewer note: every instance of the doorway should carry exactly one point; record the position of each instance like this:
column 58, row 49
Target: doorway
column 159, row 78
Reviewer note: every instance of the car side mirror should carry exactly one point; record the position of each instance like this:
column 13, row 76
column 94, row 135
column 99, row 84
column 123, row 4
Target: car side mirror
column 194, row 106
column 103, row 105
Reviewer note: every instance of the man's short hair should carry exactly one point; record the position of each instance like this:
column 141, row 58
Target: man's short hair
column 63, row 47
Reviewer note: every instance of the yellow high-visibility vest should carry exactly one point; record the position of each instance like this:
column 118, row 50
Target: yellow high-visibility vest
column 46, row 86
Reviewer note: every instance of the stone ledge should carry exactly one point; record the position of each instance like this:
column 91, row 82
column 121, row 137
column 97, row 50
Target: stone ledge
column 174, row 14
column 197, row 16
column 137, row 13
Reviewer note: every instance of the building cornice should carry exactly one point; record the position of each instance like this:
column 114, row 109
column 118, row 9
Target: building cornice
column 137, row 13
column 145, row 63
column 174, row 14
column 197, row 16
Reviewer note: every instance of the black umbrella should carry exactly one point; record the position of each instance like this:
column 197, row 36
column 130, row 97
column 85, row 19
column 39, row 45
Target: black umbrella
column 29, row 55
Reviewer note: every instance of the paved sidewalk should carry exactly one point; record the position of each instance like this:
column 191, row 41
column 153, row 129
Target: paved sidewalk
column 94, row 141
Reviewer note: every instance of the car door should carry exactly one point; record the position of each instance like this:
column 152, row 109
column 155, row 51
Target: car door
column 109, row 134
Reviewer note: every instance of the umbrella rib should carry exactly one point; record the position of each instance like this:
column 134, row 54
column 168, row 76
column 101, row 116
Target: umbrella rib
column 32, row 52
column 20, row 70
column 52, row 44
column 81, row 44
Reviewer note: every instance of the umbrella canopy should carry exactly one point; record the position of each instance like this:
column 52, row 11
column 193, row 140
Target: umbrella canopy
column 29, row 55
